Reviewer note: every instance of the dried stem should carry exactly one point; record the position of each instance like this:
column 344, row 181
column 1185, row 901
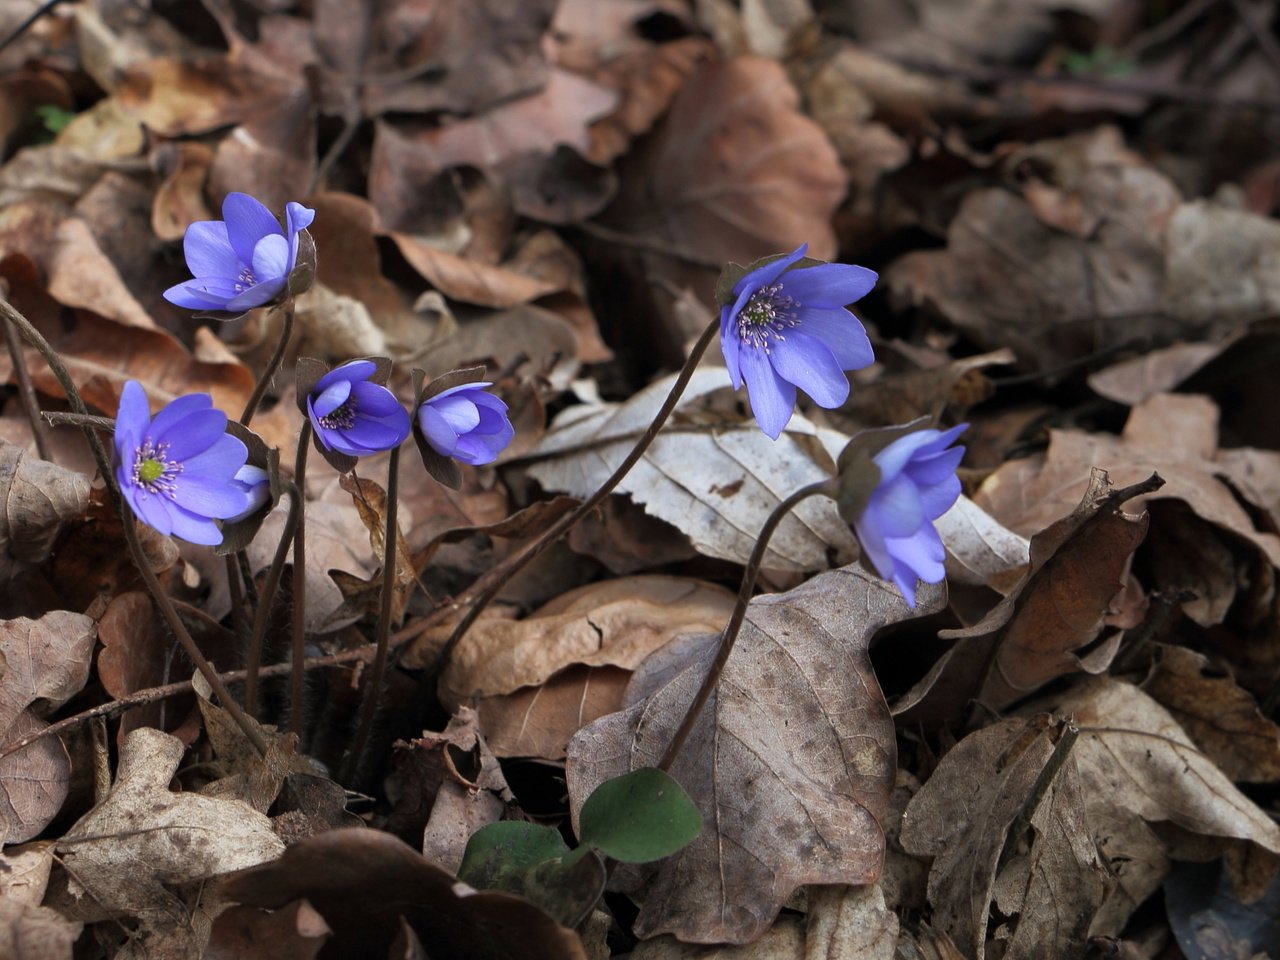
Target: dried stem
column 501, row 576
column 373, row 688
column 260, row 388
column 297, row 645
column 730, row 633
column 269, row 587
column 27, row 392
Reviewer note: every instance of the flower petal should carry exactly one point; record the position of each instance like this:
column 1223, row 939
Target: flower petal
column 271, row 258
column 752, row 281
column 331, row 397
column 256, row 296
column 926, row 469
column 809, row 364
column 205, row 293
column 841, row 331
column 248, row 221
column 152, row 510
column 436, row 430
column 208, row 498
column 192, row 434
column 923, row 552
column 893, row 459
column 377, row 434
column 897, row 507
column 938, row 498
column 772, row 398
column 133, row 416
column 730, row 346
column 873, row 544
column 194, row 528
column 296, row 218
column 220, row 461
column 351, row 370
column 208, row 251
column 374, row 399
column 458, row 411
column 829, row 284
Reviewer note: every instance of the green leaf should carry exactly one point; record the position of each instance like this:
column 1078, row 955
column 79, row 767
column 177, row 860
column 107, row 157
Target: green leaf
column 640, row 816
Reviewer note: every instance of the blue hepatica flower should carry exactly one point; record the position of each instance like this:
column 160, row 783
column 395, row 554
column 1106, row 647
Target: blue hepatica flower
column 918, row 484
column 467, row 423
column 241, row 261
column 353, row 415
column 256, row 486
column 789, row 329
column 177, row 471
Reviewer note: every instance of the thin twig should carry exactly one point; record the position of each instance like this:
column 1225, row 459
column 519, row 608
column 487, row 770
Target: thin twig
column 27, row 392
column 30, row 22
column 260, row 388
column 262, row 614
column 373, row 688
column 297, row 645
column 729, row 635
column 1261, row 33
column 499, row 577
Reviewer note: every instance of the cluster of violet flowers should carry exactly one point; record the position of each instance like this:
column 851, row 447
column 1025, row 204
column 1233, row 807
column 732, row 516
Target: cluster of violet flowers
column 784, row 325
column 184, row 474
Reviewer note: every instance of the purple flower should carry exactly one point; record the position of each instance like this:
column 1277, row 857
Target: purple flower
column 789, row 328
column 241, row 261
column 467, row 423
column 256, row 486
column 177, row 472
column 354, row 416
column 917, row 485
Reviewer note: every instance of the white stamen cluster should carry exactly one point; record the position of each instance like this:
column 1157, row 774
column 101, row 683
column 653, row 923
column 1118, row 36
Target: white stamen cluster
column 245, row 280
column 157, row 453
column 765, row 317
column 342, row 418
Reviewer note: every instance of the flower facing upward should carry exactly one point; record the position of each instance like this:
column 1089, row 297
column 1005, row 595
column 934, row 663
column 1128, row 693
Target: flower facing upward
column 354, row 416
column 789, row 328
column 241, row 261
column 467, row 423
column 177, row 471
column 917, row 485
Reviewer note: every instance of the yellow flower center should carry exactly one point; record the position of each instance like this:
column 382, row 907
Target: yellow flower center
column 150, row 470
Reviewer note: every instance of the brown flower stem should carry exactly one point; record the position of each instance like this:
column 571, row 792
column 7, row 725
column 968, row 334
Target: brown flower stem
column 373, row 688
column 731, row 630
column 27, row 392
column 58, row 418
column 148, row 575
column 37, row 340
column 502, row 575
column 235, row 587
column 262, row 614
column 260, row 388
column 297, row 646
column 184, row 637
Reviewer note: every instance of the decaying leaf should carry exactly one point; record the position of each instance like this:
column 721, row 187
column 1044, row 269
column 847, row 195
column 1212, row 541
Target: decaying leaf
column 791, row 761
column 715, row 482
column 363, row 881
column 540, row 721
column 37, row 499
column 1077, row 569
column 43, row 663
column 123, row 855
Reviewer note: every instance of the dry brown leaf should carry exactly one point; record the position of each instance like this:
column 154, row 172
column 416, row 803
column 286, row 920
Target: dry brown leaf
column 271, row 156
column 37, row 500
column 32, row 932
column 121, row 855
column 81, row 275
column 791, row 761
column 24, row 872
column 540, row 721
column 716, row 483
column 176, row 98
column 42, row 662
column 295, row 932
column 613, row 623
column 363, row 881
column 370, row 501
column 980, row 551
column 1222, row 719
column 1160, row 371
column 179, row 200
column 964, row 817
column 1174, row 435
column 1039, row 631
column 526, row 332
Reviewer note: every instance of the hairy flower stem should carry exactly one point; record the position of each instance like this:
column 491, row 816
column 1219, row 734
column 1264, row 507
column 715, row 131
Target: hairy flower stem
column 269, row 587
column 27, row 392
column 260, row 388
column 373, row 688
column 297, row 647
column 148, row 575
column 730, row 633
column 569, row 520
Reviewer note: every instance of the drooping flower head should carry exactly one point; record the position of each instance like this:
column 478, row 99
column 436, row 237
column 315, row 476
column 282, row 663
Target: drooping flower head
column 177, row 472
column 783, row 329
column 458, row 419
column 243, row 260
column 352, row 412
column 892, row 506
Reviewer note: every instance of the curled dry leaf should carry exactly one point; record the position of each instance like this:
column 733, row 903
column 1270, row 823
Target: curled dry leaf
column 1077, row 571
column 979, row 550
column 614, row 623
column 791, row 762
column 716, row 483
column 970, row 816
column 121, row 855
column 363, row 881
column 43, row 662
column 37, row 500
